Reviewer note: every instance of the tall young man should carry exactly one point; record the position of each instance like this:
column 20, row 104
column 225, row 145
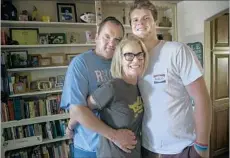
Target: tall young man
column 170, row 128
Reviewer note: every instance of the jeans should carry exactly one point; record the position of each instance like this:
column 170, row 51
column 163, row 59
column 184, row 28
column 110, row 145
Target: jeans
column 78, row 153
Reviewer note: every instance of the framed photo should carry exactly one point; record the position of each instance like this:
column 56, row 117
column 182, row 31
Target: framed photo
column 34, row 86
column 58, row 59
column 66, row 12
column 24, row 36
column 73, row 37
column 69, row 57
column 43, row 38
column 60, row 81
column 19, row 88
column 34, row 59
column 44, row 85
column 57, row 38
column 18, row 59
column 23, row 78
column 53, row 80
column 45, row 62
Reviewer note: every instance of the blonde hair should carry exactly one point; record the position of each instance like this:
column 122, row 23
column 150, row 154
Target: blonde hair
column 116, row 66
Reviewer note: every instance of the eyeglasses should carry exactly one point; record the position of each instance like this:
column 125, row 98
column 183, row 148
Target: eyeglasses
column 130, row 56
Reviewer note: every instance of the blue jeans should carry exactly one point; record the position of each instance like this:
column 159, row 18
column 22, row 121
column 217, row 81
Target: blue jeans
column 78, row 153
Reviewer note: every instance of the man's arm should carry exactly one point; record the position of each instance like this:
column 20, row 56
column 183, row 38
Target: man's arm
column 203, row 109
column 125, row 139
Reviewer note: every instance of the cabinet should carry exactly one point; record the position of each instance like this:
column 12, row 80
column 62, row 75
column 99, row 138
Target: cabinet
column 57, row 52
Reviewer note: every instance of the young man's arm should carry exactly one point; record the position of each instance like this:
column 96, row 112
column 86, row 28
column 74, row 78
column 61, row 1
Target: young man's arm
column 203, row 111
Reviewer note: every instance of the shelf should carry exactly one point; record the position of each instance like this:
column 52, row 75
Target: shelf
column 47, row 45
column 36, row 68
column 34, row 120
column 36, row 93
column 6, row 23
column 45, row 141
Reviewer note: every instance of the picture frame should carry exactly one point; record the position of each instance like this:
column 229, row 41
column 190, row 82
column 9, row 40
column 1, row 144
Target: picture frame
column 53, row 81
column 57, row 38
column 66, row 12
column 69, row 57
column 43, row 38
column 45, row 61
column 34, row 60
column 33, row 86
column 18, row 59
column 72, row 37
column 25, row 79
column 19, row 88
column 58, row 59
column 44, row 85
column 60, row 81
column 25, row 36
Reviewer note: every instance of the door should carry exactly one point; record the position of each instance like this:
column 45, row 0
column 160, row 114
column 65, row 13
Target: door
column 220, row 84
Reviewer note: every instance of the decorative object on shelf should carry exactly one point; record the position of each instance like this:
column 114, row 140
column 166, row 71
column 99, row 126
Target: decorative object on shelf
column 24, row 16
column 167, row 36
column 58, row 59
column 165, row 22
column 46, row 18
column 44, row 85
column 25, row 36
column 8, row 11
column 23, row 78
column 88, row 17
column 123, row 17
column 57, row 38
column 60, row 81
column 19, row 88
column 34, row 59
column 34, row 86
column 43, row 38
column 34, row 13
column 45, row 61
column 18, row 59
column 98, row 11
column 69, row 57
column 90, row 36
column 66, row 12
column 73, row 37
column 53, row 81
column 3, row 37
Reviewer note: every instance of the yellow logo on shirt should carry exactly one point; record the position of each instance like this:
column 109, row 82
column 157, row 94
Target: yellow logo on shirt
column 137, row 107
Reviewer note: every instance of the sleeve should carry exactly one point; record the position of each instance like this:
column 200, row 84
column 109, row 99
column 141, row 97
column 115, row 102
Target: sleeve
column 103, row 95
column 188, row 66
column 75, row 90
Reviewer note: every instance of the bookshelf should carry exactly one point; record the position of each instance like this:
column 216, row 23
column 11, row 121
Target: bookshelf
column 105, row 8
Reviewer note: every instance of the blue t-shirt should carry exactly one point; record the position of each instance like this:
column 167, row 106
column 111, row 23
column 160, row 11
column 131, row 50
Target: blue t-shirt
column 85, row 74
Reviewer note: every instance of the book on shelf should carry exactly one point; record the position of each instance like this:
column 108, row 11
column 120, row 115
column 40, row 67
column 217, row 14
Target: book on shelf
column 62, row 149
column 26, row 108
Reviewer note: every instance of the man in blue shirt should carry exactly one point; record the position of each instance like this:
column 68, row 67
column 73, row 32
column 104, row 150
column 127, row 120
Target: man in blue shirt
column 85, row 74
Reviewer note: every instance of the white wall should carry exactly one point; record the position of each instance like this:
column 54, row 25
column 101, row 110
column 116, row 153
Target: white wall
column 191, row 16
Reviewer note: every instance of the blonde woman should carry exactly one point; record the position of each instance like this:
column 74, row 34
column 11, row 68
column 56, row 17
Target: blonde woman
column 119, row 100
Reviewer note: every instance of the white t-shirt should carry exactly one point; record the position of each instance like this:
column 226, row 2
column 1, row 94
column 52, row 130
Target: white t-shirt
column 168, row 125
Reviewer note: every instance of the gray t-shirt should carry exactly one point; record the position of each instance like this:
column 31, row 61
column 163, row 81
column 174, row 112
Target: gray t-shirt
column 121, row 107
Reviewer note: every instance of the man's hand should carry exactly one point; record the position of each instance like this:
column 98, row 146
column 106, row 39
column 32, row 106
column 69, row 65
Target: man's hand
column 69, row 133
column 124, row 139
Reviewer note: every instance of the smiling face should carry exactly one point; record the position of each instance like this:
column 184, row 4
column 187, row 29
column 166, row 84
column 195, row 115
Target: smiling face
column 142, row 23
column 107, row 40
column 132, row 66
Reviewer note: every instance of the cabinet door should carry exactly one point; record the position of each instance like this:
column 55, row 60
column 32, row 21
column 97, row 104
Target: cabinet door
column 220, row 85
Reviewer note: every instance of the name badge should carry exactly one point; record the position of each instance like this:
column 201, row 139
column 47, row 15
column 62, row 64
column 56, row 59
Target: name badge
column 159, row 78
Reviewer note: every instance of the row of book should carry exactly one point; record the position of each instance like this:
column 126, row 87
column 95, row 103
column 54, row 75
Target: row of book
column 17, row 108
column 63, row 149
column 48, row 130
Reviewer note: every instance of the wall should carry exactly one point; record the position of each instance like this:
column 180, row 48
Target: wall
column 191, row 16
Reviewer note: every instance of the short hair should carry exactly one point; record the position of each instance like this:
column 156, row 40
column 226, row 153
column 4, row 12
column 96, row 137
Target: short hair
column 143, row 4
column 112, row 20
column 116, row 65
